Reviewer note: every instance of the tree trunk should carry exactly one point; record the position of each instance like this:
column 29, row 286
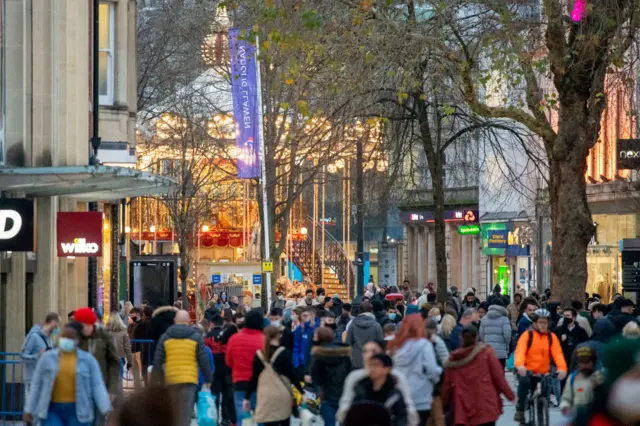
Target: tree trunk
column 437, row 180
column 572, row 225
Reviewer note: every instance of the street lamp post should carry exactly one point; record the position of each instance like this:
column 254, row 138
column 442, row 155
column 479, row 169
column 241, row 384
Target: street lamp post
column 360, row 218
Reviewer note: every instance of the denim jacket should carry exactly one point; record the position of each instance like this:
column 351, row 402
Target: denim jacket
column 35, row 343
column 90, row 389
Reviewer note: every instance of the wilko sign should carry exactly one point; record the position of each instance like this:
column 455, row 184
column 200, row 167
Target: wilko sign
column 79, row 234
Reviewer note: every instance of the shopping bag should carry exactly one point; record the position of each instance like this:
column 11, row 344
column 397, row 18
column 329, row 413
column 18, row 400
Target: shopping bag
column 206, row 409
column 510, row 361
column 247, row 420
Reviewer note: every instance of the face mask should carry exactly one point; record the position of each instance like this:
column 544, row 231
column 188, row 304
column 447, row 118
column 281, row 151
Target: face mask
column 55, row 331
column 66, row 344
column 569, row 321
column 437, row 318
column 476, row 324
column 392, row 316
column 294, row 318
column 332, row 326
column 135, row 319
column 275, row 323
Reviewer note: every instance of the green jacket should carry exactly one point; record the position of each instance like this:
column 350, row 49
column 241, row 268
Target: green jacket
column 102, row 346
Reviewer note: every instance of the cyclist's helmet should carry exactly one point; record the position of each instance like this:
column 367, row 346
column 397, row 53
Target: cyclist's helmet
column 543, row 313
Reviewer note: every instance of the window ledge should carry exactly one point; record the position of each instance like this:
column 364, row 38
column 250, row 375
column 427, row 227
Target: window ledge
column 115, row 107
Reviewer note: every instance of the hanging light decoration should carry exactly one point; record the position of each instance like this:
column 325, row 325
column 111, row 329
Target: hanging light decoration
column 332, row 168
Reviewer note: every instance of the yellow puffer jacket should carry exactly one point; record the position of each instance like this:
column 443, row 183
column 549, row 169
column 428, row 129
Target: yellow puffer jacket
column 181, row 351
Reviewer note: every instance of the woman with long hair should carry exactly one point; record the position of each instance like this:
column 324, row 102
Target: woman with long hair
column 116, row 328
column 414, row 356
column 473, row 382
column 271, row 379
column 446, row 328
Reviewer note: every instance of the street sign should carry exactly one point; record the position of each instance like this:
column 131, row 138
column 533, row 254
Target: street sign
column 469, row 229
column 267, row 266
column 257, row 279
column 216, row 278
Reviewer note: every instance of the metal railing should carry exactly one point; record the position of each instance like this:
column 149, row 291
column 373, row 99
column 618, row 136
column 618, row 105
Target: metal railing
column 12, row 387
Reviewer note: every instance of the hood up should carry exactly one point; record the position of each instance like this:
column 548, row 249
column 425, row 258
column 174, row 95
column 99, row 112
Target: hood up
column 365, row 320
column 163, row 309
column 496, row 311
column 603, row 330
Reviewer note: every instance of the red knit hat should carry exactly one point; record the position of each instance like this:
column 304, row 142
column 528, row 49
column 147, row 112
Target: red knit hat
column 85, row 316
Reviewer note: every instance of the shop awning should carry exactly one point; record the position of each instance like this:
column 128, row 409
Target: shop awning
column 83, row 183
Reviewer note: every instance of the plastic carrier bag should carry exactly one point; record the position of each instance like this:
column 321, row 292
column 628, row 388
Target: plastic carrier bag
column 206, row 409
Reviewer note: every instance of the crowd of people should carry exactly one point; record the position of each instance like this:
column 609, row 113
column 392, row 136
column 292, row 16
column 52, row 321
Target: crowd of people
column 390, row 357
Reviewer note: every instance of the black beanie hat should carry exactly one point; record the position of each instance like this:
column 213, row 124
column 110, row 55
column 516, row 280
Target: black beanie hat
column 254, row 320
column 377, row 305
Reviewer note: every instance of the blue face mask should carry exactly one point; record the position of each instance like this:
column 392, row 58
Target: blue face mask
column 392, row 316
column 66, row 344
column 55, row 331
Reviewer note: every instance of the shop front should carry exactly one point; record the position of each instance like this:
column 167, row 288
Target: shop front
column 506, row 246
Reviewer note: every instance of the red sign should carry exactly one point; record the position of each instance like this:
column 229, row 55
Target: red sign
column 79, row 234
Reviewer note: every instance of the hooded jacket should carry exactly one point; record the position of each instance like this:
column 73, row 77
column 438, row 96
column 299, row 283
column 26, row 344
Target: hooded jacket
column 181, row 350
column 513, row 310
column 495, row 330
column 330, row 366
column 363, row 329
column 240, row 352
column 473, row 382
column 416, row 359
column 34, row 345
column 302, row 342
column 161, row 320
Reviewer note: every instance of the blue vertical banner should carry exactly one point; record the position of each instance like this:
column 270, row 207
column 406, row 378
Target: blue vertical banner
column 245, row 102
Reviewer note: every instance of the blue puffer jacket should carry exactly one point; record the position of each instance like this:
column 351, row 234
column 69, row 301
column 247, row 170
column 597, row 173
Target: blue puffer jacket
column 495, row 330
column 90, row 389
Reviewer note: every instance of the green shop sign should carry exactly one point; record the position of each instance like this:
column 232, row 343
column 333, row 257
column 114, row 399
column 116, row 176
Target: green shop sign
column 469, row 229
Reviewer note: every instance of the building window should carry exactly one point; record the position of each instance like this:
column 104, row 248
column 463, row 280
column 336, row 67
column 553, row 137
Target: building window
column 106, row 44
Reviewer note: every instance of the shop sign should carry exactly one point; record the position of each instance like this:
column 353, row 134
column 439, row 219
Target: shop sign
column 257, row 279
column 628, row 154
column 469, row 229
column 16, row 224
column 428, row 216
column 79, row 234
column 216, row 278
column 497, row 239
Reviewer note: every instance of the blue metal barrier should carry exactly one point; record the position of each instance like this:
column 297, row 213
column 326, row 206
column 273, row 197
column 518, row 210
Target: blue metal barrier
column 11, row 387
column 143, row 351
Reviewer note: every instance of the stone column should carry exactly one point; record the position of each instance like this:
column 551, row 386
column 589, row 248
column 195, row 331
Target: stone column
column 45, row 292
column 431, row 257
column 448, row 249
column 15, row 320
column 422, row 259
column 413, row 255
column 405, row 253
column 465, row 262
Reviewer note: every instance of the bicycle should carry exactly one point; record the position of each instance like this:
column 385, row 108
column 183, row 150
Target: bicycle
column 538, row 400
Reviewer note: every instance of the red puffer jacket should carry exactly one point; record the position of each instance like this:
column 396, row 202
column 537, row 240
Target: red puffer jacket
column 241, row 350
column 473, row 382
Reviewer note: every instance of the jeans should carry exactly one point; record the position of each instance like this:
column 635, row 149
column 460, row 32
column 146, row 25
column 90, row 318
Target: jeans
column 238, row 397
column 328, row 410
column 224, row 399
column 184, row 396
column 62, row 415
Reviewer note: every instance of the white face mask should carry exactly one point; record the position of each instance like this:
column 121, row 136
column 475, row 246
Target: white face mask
column 280, row 297
column 66, row 344
column 437, row 318
column 275, row 323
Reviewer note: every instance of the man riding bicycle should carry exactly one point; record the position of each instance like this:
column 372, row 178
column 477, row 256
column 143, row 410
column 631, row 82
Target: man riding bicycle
column 534, row 352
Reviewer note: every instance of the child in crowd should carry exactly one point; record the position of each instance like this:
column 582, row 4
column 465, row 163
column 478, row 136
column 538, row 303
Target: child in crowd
column 580, row 385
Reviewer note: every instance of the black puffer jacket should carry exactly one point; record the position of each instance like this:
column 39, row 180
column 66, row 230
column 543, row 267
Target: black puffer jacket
column 330, row 366
column 161, row 320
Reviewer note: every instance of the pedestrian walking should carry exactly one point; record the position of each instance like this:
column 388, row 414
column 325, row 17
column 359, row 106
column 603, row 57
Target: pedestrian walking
column 380, row 387
column 570, row 335
column 303, row 341
column 495, row 330
column 220, row 387
column 473, row 382
column 179, row 354
column 161, row 320
column 371, row 349
column 414, row 356
column 67, row 385
column 143, row 350
column 241, row 350
column 364, row 328
column 469, row 317
column 100, row 344
column 271, row 379
column 330, row 366
column 38, row 341
column 446, row 327
column 513, row 310
column 118, row 331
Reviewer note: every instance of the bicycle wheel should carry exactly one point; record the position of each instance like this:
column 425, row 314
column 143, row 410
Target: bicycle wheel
column 542, row 412
column 531, row 413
